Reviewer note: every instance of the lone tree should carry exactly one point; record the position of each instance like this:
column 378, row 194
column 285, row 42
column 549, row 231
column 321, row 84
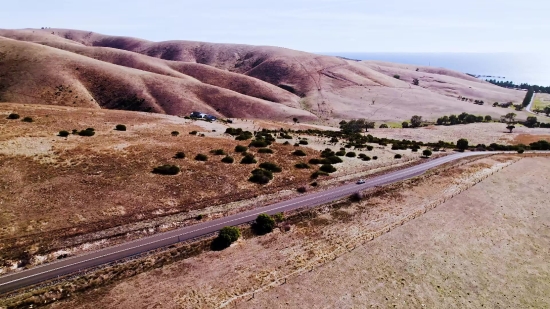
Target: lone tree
column 295, row 120
column 427, row 153
column 405, row 125
column 510, row 117
column 416, row 81
column 416, row 121
column 264, row 224
column 462, row 144
column 531, row 121
column 510, row 127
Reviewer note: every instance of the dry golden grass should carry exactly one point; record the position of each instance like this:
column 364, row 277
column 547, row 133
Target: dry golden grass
column 54, row 187
column 230, row 80
column 213, row 278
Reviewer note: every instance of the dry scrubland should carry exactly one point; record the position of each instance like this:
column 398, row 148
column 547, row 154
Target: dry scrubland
column 456, row 255
column 80, row 68
column 541, row 101
column 55, row 188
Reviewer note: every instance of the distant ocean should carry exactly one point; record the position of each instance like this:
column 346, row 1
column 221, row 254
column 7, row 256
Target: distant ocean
column 519, row 68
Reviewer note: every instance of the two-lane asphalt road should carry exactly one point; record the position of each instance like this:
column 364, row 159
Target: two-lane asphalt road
column 66, row 266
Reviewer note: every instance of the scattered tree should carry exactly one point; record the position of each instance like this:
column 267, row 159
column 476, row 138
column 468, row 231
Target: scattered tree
column 510, row 128
column 416, row 121
column 427, row 153
column 531, row 121
column 120, row 127
column 462, row 144
column 13, row 116
column 63, row 133
column 295, row 120
column 510, row 117
column 175, row 133
column 416, row 82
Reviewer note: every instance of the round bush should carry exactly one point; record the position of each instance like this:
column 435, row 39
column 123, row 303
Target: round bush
column 265, row 150
column 375, row 158
column 201, row 157
column 301, row 166
column 327, row 168
column 248, row 159
column 180, row 155
column 193, row 132
column 258, row 143
column 314, row 161
column 28, row 119
column 350, row 154
column 240, row 148
column 260, row 176
column 218, row 152
column 341, row 153
column 175, row 133
column 302, row 142
column 316, row 175
column 397, row 156
column 299, row 153
column 286, row 143
column 366, row 158
column 302, row 190
column 426, row 153
column 87, row 132
column 166, row 170
column 334, row 160
column 370, row 148
column 264, row 224
column 521, row 150
column 270, row 166
column 63, row 133
column 228, row 160
column 232, row 232
column 13, row 116
column 120, row 127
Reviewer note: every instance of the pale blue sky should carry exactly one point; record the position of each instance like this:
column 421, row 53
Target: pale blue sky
column 309, row 25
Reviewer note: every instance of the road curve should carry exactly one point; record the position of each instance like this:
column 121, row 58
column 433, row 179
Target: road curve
column 52, row 270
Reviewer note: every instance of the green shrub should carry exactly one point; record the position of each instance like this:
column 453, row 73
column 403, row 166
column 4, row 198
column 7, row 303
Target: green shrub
column 166, row 169
column 301, row 165
column 260, row 176
column 427, row 153
column 314, row 161
column 264, row 224
column 63, row 133
column 248, row 159
column 193, row 132
column 86, row 132
column 279, row 217
column 299, row 153
column 240, row 148
column 334, row 160
column 75, row 131
column 226, row 237
column 316, row 175
column 270, row 166
column 296, row 145
column 383, row 126
column 175, row 133
column 327, row 168
column 120, row 127
column 258, row 143
column 361, row 155
column 314, row 184
column 286, row 143
column 180, row 155
column 396, row 76
column 375, row 158
column 201, row 157
column 13, row 116
column 246, row 135
column 397, row 156
column 366, row 158
column 350, row 154
column 341, row 153
column 521, row 150
column 302, row 142
column 265, row 150
column 218, row 152
column 370, row 148
column 27, row 119
column 199, row 217
column 228, row 159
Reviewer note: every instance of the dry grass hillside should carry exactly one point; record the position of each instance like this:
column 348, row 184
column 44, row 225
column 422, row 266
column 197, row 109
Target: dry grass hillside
column 175, row 77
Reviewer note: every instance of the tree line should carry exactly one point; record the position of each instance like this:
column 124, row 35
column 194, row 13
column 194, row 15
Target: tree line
column 509, row 84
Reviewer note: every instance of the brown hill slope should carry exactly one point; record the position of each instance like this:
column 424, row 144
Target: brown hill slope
column 328, row 87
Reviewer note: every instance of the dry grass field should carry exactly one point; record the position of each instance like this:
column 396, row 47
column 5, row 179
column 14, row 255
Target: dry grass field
column 80, row 68
column 453, row 255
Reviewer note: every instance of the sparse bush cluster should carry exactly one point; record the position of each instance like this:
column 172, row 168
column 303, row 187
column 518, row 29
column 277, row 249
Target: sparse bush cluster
column 463, row 118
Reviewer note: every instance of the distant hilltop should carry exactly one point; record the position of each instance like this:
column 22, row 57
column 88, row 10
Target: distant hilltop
column 87, row 69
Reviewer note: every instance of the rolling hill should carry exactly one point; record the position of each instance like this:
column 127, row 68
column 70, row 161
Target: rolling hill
column 80, row 68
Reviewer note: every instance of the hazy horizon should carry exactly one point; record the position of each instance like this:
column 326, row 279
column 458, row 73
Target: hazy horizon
column 307, row 25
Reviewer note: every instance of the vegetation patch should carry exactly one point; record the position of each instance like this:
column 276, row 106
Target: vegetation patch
column 166, row 169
